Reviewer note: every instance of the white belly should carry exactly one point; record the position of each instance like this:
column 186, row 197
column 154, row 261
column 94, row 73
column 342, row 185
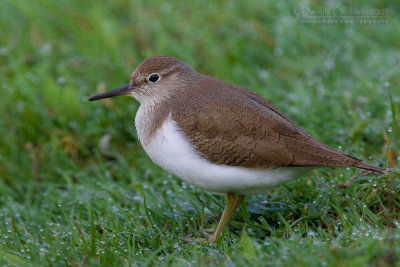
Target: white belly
column 172, row 151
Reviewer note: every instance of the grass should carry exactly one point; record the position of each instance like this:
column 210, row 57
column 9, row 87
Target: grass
column 65, row 200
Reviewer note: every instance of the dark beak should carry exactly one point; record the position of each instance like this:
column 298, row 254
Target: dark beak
column 123, row 90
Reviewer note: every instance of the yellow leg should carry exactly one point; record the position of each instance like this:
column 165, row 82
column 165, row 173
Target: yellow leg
column 232, row 203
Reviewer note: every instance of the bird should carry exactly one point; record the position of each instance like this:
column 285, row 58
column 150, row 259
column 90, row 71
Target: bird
column 219, row 136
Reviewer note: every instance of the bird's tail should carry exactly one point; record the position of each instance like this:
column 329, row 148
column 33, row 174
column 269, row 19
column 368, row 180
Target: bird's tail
column 371, row 168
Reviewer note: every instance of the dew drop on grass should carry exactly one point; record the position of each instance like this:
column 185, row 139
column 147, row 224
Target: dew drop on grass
column 329, row 65
column 61, row 80
column 177, row 247
column 278, row 52
column 46, row 49
column 20, row 106
column 137, row 198
column 3, row 51
column 263, row 74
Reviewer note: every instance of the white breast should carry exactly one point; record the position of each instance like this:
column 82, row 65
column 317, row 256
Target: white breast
column 171, row 150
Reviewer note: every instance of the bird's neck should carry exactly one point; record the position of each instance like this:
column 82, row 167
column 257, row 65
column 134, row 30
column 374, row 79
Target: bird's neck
column 149, row 118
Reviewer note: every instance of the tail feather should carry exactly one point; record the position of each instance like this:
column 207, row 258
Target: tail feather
column 371, row 168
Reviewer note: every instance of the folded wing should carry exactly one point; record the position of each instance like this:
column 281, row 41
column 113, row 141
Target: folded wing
column 239, row 128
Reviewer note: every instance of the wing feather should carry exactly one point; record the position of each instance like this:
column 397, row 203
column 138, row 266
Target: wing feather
column 231, row 125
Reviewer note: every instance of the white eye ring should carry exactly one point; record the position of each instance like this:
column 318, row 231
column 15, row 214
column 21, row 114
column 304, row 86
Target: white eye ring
column 154, row 77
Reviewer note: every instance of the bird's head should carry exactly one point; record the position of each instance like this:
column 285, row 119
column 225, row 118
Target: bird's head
column 155, row 79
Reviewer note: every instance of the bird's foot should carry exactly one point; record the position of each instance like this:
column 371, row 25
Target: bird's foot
column 209, row 233
column 207, row 236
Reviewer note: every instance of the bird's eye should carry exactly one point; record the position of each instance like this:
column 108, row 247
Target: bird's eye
column 154, row 77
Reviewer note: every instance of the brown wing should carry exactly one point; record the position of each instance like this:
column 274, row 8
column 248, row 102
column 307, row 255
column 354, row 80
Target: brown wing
column 231, row 125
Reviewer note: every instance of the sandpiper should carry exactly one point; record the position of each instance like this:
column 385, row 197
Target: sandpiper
column 220, row 136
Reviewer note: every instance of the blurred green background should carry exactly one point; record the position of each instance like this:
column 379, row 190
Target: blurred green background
column 76, row 188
